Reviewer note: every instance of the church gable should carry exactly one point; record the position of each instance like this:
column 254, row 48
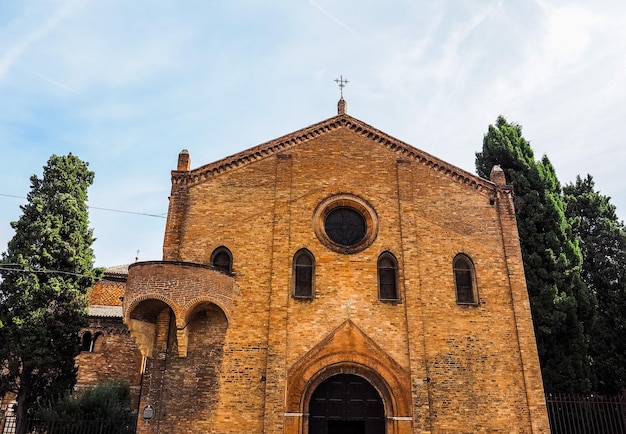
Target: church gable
column 338, row 156
column 293, row 140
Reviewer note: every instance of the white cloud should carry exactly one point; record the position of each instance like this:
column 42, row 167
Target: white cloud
column 569, row 32
column 23, row 34
column 56, row 83
column 332, row 17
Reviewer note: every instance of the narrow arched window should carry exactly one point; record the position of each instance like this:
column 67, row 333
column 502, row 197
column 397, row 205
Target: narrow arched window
column 98, row 343
column 85, row 342
column 222, row 259
column 303, row 274
column 387, row 277
column 464, row 280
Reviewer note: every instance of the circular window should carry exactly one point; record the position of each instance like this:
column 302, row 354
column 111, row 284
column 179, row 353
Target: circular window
column 345, row 223
column 345, row 226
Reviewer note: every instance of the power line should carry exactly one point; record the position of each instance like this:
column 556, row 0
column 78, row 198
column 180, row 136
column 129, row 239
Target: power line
column 45, row 271
column 127, row 212
column 101, row 209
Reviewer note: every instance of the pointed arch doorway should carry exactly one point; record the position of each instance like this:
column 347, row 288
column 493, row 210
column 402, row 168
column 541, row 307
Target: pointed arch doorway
column 346, row 404
column 347, row 350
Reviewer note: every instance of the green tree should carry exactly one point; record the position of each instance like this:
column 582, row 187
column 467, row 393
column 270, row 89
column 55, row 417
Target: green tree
column 562, row 307
column 602, row 239
column 46, row 271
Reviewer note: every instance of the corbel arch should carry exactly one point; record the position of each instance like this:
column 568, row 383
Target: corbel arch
column 192, row 305
column 187, row 314
column 131, row 310
column 141, row 317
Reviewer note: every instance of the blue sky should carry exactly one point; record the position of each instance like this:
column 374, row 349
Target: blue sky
column 126, row 85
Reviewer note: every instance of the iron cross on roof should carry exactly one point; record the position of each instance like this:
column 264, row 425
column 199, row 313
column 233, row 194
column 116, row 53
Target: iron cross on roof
column 342, row 83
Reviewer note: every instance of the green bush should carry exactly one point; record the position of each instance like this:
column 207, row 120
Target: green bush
column 105, row 406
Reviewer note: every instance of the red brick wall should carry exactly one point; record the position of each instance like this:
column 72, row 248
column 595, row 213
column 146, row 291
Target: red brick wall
column 116, row 358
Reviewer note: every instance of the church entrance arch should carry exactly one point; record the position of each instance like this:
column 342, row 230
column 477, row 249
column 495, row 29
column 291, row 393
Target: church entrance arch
column 347, row 350
column 346, row 404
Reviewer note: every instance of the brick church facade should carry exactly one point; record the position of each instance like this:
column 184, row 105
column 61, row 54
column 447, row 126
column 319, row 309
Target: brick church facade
column 333, row 280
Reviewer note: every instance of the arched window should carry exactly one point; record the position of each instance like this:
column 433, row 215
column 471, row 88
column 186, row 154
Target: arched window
column 98, row 343
column 85, row 342
column 303, row 274
column 465, row 280
column 387, row 277
column 222, row 259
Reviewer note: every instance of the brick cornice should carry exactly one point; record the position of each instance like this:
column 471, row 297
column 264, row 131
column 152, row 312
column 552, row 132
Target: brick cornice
column 286, row 142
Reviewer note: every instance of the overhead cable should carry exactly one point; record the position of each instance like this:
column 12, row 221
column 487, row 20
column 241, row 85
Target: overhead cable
column 101, row 209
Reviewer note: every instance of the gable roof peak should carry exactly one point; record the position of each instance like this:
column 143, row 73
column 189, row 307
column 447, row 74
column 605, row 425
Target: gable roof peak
column 404, row 151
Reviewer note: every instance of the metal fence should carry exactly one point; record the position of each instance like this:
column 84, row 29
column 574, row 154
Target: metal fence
column 574, row 414
column 568, row 414
column 34, row 426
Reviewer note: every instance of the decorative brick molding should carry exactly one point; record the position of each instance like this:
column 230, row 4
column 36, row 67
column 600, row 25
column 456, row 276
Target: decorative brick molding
column 268, row 149
column 182, row 286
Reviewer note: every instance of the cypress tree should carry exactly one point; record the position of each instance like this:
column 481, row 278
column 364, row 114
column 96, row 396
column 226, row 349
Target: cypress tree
column 562, row 307
column 602, row 239
column 46, row 272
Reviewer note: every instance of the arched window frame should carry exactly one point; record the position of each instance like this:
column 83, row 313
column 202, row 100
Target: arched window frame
column 303, row 274
column 86, row 342
column 99, row 340
column 222, row 252
column 464, row 273
column 388, row 275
